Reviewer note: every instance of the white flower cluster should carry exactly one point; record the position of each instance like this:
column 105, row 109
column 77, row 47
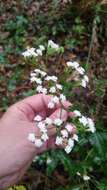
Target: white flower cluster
column 33, row 52
column 67, row 138
column 75, row 65
column 85, row 121
column 42, row 125
column 66, row 132
column 53, row 45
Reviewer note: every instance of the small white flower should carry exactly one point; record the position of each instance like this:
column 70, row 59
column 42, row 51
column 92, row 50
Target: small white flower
column 86, row 78
column 54, row 78
column 55, row 99
column 73, row 64
column 42, row 127
column 33, row 74
column 59, row 86
column 51, row 105
column 86, row 177
column 33, row 79
column 53, row 45
column 59, row 140
column 49, row 160
column 69, row 127
column 58, row 122
column 68, row 149
column 83, row 120
column 37, row 118
column 44, row 137
column 43, row 73
column 44, row 91
column 64, row 133
column 38, row 143
column 75, row 137
column 30, row 52
column 62, row 98
column 78, row 173
column 39, row 52
column 52, row 90
column 39, row 88
column 84, row 83
column 31, row 137
column 48, row 121
column 77, row 113
column 37, row 80
column 42, row 47
column 71, row 142
column 81, row 70
column 37, row 71
column 69, row 63
column 91, row 125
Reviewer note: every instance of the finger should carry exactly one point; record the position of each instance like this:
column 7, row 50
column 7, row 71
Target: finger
column 59, row 113
column 38, row 104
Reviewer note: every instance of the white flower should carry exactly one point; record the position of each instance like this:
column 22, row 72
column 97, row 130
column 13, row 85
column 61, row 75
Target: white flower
column 42, row 127
column 52, row 90
column 59, row 140
column 91, row 125
column 32, row 74
column 37, row 118
column 73, row 64
column 64, row 133
column 62, row 97
column 75, row 137
column 31, row 137
column 43, row 73
column 86, row 78
column 33, row 79
column 53, row 45
column 48, row 121
column 83, row 120
column 71, row 142
column 37, row 80
column 77, row 113
column 39, row 88
column 59, row 86
column 55, row 99
column 51, row 105
column 30, row 52
column 68, row 149
column 42, row 47
column 38, row 143
column 44, row 137
column 84, row 83
column 49, row 160
column 81, row 70
column 78, row 173
column 54, row 78
column 58, row 122
column 44, row 91
column 39, row 52
column 69, row 127
column 86, row 177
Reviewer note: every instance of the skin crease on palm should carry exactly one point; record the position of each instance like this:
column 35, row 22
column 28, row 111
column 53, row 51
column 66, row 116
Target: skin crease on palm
column 16, row 152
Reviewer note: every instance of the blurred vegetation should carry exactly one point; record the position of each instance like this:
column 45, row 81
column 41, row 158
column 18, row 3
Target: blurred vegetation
column 81, row 27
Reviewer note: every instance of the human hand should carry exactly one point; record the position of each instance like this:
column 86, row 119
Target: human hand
column 16, row 152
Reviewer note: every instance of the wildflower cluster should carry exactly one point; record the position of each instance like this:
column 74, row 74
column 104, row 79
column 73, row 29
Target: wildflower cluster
column 81, row 71
column 67, row 132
